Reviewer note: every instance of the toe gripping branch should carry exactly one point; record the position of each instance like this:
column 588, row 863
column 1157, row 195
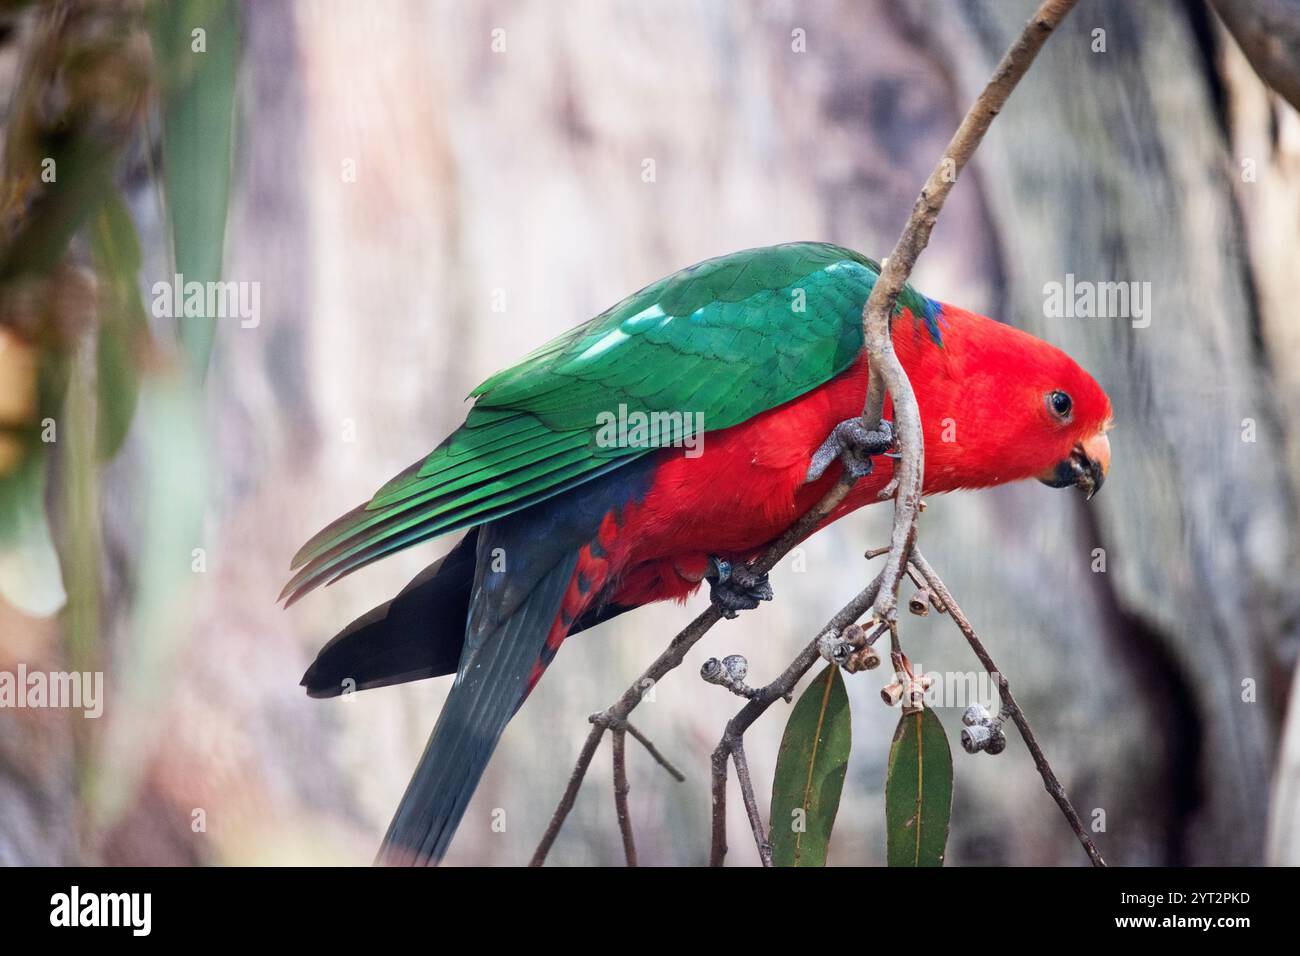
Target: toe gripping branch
column 855, row 445
column 733, row 587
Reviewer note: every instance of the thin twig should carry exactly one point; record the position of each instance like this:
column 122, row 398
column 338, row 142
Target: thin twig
column 1009, row 706
column 600, row 723
column 621, row 789
column 734, row 733
column 751, row 805
column 886, row 372
column 654, row 752
column 718, row 794
column 570, row 795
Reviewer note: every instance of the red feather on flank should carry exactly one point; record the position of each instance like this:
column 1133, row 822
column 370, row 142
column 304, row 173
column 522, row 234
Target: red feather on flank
column 589, row 579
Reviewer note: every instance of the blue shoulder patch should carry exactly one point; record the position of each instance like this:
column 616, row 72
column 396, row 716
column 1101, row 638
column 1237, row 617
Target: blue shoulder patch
column 932, row 316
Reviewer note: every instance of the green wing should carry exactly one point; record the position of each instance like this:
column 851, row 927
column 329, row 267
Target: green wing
column 728, row 338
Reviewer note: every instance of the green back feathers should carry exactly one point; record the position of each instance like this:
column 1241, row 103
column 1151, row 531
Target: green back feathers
column 719, row 342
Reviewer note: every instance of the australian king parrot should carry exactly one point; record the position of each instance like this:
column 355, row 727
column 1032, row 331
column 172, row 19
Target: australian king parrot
column 660, row 445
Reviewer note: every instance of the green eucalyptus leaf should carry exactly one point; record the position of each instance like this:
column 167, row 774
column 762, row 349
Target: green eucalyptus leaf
column 197, row 45
column 918, row 792
column 810, row 769
column 123, row 327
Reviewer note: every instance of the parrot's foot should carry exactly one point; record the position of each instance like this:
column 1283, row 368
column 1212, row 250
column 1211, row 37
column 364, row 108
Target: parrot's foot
column 855, row 445
column 734, row 587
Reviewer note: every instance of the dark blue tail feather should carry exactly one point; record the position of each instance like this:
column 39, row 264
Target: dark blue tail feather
column 492, row 683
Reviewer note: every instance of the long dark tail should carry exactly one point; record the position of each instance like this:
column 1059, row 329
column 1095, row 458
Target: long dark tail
column 419, row 633
column 504, row 645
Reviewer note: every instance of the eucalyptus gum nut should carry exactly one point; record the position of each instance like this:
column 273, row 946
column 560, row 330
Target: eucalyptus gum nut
column 919, row 603
column 736, row 666
column 891, row 694
column 975, row 714
column 865, row 659
column 834, row 649
column 997, row 742
column 914, row 701
column 711, row 670
column 854, row 635
column 976, row 738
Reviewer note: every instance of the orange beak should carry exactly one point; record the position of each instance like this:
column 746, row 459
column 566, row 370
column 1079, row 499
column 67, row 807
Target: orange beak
column 1086, row 467
column 1097, row 450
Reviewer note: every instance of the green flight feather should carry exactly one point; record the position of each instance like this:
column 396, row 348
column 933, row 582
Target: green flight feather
column 728, row 338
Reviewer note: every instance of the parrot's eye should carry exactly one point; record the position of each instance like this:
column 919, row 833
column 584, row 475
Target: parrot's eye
column 1060, row 403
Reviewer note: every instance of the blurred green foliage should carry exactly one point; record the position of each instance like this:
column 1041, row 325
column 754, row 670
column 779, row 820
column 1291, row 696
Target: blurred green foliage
column 196, row 42
column 75, row 334
column 123, row 327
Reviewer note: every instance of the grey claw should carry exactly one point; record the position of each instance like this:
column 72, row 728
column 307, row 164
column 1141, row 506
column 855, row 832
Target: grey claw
column 734, row 587
column 853, row 444
column 856, row 465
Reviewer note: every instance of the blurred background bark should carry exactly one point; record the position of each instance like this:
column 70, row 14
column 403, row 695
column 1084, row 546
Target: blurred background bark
column 424, row 191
